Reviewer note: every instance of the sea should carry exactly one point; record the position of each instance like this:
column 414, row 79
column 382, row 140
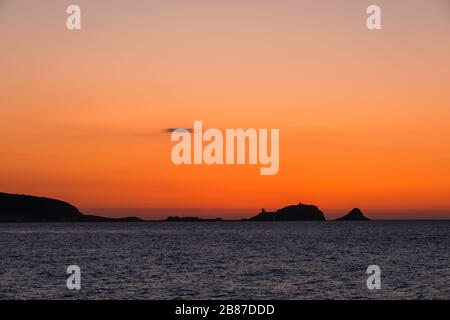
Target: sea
column 226, row 260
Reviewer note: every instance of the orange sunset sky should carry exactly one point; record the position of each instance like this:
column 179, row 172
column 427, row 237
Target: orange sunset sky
column 364, row 116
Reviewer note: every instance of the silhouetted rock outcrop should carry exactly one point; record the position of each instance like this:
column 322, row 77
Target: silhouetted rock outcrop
column 354, row 215
column 189, row 219
column 300, row 212
column 91, row 218
column 24, row 208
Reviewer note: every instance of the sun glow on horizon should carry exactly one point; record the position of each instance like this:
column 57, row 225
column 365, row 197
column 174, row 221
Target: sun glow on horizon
column 363, row 115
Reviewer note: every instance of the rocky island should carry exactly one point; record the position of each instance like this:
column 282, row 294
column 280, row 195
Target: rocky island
column 354, row 215
column 300, row 212
column 189, row 219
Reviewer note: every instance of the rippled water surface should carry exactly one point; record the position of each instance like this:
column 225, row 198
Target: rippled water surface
column 228, row 260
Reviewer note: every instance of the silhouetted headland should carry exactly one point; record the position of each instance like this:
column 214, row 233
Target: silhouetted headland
column 24, row 208
column 300, row 212
column 354, row 215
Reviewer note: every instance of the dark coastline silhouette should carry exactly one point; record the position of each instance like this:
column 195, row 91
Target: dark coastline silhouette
column 26, row 208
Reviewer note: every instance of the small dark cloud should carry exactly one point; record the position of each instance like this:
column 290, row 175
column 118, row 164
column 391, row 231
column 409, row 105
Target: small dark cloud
column 170, row 130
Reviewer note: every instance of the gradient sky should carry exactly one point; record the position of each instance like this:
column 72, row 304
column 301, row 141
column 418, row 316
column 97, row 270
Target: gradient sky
column 364, row 116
